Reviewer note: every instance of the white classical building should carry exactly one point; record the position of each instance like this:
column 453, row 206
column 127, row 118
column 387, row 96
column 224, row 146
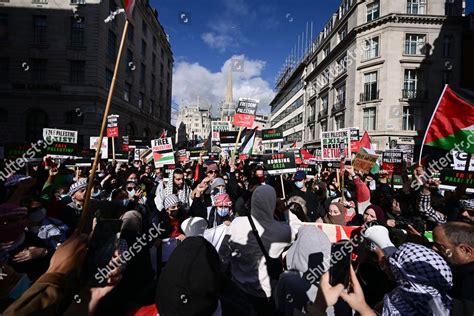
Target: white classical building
column 197, row 121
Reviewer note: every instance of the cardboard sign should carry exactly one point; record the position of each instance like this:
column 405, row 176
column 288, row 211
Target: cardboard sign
column 61, row 150
column 94, row 144
column 218, row 126
column 354, row 134
column 245, row 113
column 138, row 142
column 462, row 161
column 272, row 135
column 60, row 135
column 331, row 143
column 194, row 153
column 169, row 169
column 457, row 178
column 163, row 153
column 14, row 150
column 364, row 162
column 112, row 125
column 309, row 169
column 392, row 161
column 279, row 163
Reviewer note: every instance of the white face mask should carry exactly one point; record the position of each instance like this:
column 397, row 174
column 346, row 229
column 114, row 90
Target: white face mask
column 299, row 184
column 131, row 193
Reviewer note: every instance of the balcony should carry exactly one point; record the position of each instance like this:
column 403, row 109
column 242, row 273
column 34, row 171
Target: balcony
column 339, row 105
column 322, row 114
column 39, row 1
column 369, row 96
column 414, row 94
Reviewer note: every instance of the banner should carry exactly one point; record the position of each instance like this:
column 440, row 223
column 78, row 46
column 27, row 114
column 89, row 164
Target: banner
column 163, row 153
column 228, row 138
column 354, row 134
column 392, row 161
column 216, row 127
column 61, row 150
column 457, row 178
column 60, row 135
column 272, row 135
column 169, row 169
column 112, row 125
column 94, row 144
column 245, row 112
column 194, row 153
column 335, row 233
column 279, row 163
column 331, row 143
column 364, row 162
column 309, row 169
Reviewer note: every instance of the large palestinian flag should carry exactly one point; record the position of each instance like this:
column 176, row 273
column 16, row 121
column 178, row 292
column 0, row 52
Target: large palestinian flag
column 452, row 123
column 128, row 6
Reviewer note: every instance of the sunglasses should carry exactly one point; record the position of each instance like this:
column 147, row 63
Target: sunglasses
column 129, row 189
column 212, row 171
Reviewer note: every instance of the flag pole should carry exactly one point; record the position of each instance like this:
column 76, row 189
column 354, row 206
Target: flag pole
column 236, row 143
column 87, row 197
column 429, row 124
column 113, row 149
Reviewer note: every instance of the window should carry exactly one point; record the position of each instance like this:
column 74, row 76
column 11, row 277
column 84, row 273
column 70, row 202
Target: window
column 4, row 70
column 448, row 9
column 77, row 31
column 142, row 74
column 324, row 102
column 153, row 83
column 36, row 120
column 144, row 28
column 38, row 71
column 412, row 84
column 152, row 105
column 111, row 45
column 141, row 97
column 373, row 11
column 161, row 70
column 369, row 119
column 143, row 48
column 416, row 6
column 127, row 92
column 341, row 65
column 3, row 27
column 130, row 129
column 153, row 62
column 414, row 44
column 409, row 118
column 324, row 126
column 40, row 27
column 447, row 46
column 154, row 42
column 77, row 72
column 78, row 1
column 370, row 87
column 372, row 48
column 108, row 78
column 342, row 33
column 130, row 33
column 339, row 122
column 340, row 97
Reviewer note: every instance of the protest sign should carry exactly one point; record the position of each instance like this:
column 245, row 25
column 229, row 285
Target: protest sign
column 335, row 233
column 228, row 138
column 94, row 144
column 272, row 135
column 309, row 169
column 279, row 163
column 169, row 169
column 245, row 112
column 61, row 150
column 364, row 162
column 182, row 155
column 163, row 153
column 392, row 161
column 112, row 125
column 457, row 178
column 354, row 135
column 331, row 143
column 60, row 135
column 194, row 153
column 216, row 127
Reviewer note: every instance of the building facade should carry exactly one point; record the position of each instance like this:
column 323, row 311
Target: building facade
column 56, row 66
column 381, row 65
column 197, row 121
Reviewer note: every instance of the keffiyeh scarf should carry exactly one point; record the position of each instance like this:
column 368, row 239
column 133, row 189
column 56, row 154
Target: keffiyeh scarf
column 182, row 194
column 424, row 279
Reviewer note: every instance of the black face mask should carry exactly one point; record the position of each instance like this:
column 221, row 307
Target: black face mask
column 176, row 213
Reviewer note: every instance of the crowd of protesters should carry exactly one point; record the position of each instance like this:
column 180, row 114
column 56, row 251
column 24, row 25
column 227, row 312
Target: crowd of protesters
column 260, row 267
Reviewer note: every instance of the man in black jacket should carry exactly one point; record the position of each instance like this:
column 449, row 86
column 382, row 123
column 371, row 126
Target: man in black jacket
column 300, row 189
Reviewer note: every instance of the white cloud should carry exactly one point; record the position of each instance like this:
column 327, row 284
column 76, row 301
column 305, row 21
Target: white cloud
column 218, row 41
column 191, row 80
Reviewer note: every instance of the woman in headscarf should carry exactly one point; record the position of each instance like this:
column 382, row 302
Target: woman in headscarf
column 240, row 248
column 336, row 214
column 305, row 262
column 371, row 213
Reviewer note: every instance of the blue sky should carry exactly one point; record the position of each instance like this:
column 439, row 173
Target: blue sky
column 206, row 34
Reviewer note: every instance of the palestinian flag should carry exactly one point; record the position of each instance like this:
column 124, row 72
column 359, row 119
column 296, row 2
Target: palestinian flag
column 366, row 147
column 128, row 6
column 452, row 123
column 248, row 142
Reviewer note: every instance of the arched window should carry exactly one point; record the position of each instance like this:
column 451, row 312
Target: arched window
column 130, row 129
column 146, row 133
column 36, row 120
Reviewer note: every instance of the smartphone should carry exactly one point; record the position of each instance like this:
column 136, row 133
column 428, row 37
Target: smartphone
column 101, row 249
column 339, row 270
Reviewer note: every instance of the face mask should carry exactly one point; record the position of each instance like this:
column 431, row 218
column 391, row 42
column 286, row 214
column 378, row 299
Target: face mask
column 222, row 211
column 175, row 213
column 332, row 193
column 299, row 184
column 131, row 193
column 38, row 215
column 125, row 202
